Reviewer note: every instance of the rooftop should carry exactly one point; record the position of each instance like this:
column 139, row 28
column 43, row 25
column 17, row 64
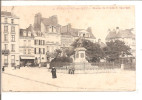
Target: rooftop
column 127, row 33
column 9, row 14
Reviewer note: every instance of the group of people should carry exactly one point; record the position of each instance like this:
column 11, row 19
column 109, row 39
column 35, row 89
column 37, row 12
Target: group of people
column 71, row 70
column 53, row 71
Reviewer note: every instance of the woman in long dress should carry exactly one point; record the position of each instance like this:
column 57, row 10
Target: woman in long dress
column 53, row 71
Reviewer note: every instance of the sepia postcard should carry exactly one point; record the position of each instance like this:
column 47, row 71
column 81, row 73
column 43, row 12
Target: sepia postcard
column 68, row 48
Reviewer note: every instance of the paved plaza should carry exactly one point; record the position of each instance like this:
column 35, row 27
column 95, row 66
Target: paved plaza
column 40, row 79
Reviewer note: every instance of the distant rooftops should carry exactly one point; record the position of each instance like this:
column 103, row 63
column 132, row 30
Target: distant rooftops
column 8, row 14
column 117, row 33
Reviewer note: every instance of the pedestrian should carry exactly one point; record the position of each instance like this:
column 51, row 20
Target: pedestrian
column 15, row 67
column 73, row 69
column 3, row 69
column 39, row 65
column 53, row 71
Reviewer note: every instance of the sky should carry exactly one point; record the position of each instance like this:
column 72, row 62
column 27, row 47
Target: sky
column 99, row 18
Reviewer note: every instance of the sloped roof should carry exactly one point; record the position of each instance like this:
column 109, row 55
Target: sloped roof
column 121, row 34
column 9, row 14
column 48, row 21
column 30, row 28
column 6, row 13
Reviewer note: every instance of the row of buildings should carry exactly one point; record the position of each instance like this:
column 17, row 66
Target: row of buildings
column 45, row 36
column 33, row 43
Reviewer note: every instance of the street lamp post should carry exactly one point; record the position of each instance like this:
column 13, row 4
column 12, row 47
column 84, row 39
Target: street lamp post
column 122, row 64
column 40, row 59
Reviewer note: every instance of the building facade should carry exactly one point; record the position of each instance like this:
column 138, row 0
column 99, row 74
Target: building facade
column 127, row 36
column 51, row 30
column 10, row 39
column 26, row 46
column 69, row 34
column 40, row 47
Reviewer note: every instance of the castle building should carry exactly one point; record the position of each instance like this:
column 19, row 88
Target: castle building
column 123, row 35
column 9, row 39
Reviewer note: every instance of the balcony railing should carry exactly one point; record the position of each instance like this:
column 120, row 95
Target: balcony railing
column 5, row 64
column 5, row 52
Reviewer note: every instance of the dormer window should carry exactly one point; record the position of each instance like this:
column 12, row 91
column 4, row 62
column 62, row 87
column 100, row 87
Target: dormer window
column 50, row 28
column 24, row 33
column 29, row 33
column 54, row 29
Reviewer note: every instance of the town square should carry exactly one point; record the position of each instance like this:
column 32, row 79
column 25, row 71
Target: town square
column 59, row 49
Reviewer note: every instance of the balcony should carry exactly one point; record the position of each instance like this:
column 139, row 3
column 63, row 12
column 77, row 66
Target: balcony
column 5, row 64
column 5, row 52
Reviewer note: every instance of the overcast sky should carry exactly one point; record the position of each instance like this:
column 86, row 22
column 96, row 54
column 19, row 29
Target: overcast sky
column 100, row 18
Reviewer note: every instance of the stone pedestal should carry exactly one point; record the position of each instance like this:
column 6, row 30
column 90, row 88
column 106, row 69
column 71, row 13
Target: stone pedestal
column 80, row 58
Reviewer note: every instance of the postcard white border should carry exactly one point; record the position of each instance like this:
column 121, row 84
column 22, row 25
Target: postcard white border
column 137, row 95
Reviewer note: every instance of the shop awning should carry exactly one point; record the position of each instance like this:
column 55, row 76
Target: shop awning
column 27, row 57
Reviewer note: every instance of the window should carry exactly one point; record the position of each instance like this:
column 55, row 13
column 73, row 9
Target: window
column 12, row 21
column 50, row 29
column 43, row 50
column 24, row 33
column 39, row 51
column 77, row 55
column 29, row 51
column 29, row 33
column 5, row 59
column 5, row 28
column 12, row 29
column 39, row 42
column 25, row 43
column 82, row 55
column 12, row 58
column 5, row 46
column 12, row 38
column 24, row 51
column 54, row 29
column 35, row 50
column 5, row 37
column 13, row 47
column 5, row 20
column 43, row 42
column 35, row 42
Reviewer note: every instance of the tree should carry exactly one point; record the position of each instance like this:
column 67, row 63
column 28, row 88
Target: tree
column 93, row 50
column 114, row 50
column 55, row 54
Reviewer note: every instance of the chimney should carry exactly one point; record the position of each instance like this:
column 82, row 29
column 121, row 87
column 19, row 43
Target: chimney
column 37, row 22
column 12, row 11
column 117, row 30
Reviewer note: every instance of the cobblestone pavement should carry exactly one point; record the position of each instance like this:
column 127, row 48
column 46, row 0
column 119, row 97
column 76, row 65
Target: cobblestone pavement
column 40, row 79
